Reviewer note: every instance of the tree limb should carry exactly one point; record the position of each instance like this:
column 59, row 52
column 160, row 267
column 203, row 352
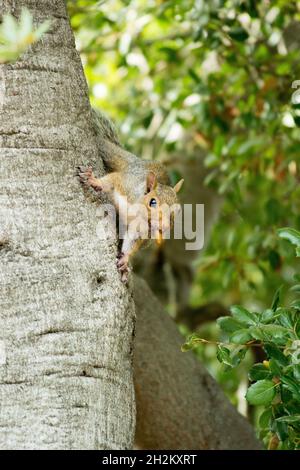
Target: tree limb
column 179, row 405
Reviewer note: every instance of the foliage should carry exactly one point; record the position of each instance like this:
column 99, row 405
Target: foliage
column 16, row 37
column 233, row 380
column 276, row 380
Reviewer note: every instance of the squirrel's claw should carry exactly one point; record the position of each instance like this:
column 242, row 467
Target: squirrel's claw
column 124, row 277
column 123, row 267
column 87, row 178
column 84, row 174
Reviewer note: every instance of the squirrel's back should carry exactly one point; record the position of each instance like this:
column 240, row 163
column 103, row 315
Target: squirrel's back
column 117, row 159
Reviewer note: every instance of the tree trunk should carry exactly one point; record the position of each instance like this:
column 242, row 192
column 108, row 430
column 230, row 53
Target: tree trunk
column 179, row 405
column 66, row 320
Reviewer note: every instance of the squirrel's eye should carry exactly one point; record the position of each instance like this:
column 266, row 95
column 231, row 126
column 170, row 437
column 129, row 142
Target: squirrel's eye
column 152, row 202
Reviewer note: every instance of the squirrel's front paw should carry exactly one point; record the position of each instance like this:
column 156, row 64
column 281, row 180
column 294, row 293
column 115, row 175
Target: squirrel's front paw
column 123, row 267
column 87, row 178
column 85, row 174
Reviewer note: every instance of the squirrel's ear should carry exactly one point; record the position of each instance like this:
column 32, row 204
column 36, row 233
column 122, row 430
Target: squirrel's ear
column 178, row 185
column 151, row 181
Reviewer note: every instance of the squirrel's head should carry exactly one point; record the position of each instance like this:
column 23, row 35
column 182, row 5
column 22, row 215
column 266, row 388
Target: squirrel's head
column 162, row 204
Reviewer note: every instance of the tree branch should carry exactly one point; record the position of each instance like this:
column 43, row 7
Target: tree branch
column 179, row 405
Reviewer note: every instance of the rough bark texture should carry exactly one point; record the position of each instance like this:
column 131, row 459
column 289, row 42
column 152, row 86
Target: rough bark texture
column 66, row 319
column 179, row 405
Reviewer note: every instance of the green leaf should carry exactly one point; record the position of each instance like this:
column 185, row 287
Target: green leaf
column 261, row 393
column 194, row 76
column 256, row 333
column 275, row 367
column 230, row 358
column 16, row 37
column 242, row 315
column 275, row 330
column 228, row 324
column 276, row 299
column 273, row 351
column 186, row 347
column 295, row 288
column 223, row 356
column 265, row 417
column 267, row 316
column 296, row 304
column 297, row 371
column 289, row 419
column 238, row 34
column 238, row 355
column 285, row 318
column 281, row 429
column 7, row 55
column 10, row 28
column 43, row 28
column 292, row 385
column 273, row 209
column 274, row 259
column 259, row 372
column 240, row 337
column 192, row 341
column 26, row 25
column 286, row 395
column 291, row 235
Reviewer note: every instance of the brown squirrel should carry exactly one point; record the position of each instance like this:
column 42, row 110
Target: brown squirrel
column 139, row 183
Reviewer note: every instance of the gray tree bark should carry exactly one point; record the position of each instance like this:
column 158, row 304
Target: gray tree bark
column 66, row 321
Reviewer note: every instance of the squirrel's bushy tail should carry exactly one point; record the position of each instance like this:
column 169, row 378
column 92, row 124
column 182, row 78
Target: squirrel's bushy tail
column 115, row 158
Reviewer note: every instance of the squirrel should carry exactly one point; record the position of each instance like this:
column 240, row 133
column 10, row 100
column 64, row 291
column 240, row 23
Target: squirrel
column 138, row 184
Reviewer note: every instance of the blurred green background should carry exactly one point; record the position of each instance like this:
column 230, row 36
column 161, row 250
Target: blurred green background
column 209, row 86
